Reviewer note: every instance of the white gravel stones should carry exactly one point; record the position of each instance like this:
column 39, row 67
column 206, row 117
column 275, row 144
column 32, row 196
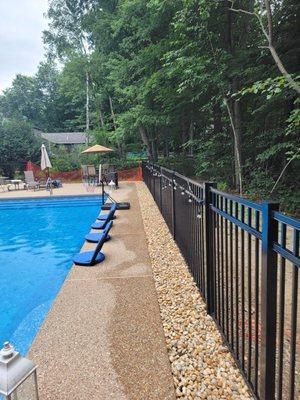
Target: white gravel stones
column 202, row 366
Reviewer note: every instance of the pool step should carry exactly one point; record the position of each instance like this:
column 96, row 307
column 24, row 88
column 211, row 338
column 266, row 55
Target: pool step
column 51, row 202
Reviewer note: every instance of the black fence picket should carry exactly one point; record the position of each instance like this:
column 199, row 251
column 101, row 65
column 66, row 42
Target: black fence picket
column 244, row 257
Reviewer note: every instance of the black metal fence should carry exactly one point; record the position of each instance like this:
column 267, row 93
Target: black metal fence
column 244, row 257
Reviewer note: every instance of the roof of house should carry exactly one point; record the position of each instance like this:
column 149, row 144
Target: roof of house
column 65, row 137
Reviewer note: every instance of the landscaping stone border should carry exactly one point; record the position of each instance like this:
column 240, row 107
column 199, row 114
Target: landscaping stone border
column 202, row 366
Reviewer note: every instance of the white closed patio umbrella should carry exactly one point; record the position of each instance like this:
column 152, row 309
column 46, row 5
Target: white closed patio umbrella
column 45, row 161
column 46, row 164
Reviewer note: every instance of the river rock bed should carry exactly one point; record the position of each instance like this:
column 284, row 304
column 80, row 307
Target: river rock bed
column 202, row 366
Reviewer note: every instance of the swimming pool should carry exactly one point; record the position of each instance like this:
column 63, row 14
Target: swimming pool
column 38, row 239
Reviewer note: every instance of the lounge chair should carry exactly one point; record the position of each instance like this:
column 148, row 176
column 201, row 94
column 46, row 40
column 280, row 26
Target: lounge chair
column 90, row 258
column 102, row 223
column 31, row 183
column 103, row 217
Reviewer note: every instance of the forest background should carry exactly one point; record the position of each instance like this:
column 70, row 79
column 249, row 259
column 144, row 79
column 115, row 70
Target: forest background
column 209, row 88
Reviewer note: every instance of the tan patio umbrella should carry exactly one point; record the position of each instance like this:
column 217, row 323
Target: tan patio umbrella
column 97, row 149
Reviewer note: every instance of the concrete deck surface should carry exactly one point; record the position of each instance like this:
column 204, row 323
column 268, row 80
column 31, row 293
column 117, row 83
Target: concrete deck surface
column 103, row 338
column 68, row 189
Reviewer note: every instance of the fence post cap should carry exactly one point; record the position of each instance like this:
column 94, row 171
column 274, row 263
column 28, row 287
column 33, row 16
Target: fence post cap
column 210, row 183
column 274, row 205
column 270, row 202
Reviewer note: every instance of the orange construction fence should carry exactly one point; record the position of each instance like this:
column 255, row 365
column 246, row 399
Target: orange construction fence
column 132, row 175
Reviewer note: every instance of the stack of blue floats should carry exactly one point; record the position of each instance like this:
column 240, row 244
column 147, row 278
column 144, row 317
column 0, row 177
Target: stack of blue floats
column 104, row 223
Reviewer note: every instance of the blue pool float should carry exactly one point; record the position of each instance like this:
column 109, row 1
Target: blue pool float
column 90, row 258
column 104, row 217
column 99, row 225
column 102, row 223
column 110, row 215
column 95, row 237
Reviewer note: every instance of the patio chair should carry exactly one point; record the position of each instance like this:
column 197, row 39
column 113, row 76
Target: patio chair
column 90, row 258
column 102, row 223
column 49, row 184
column 113, row 177
column 90, row 174
column 31, row 183
column 91, row 171
column 85, row 174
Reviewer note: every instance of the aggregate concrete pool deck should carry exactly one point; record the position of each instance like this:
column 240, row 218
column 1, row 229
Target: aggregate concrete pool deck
column 103, row 338
column 68, row 189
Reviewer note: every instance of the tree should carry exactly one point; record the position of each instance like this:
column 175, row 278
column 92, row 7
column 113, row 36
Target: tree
column 22, row 100
column 67, row 39
column 18, row 144
column 202, row 83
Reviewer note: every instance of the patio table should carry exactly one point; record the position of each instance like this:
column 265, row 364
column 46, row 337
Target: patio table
column 16, row 183
column 3, row 182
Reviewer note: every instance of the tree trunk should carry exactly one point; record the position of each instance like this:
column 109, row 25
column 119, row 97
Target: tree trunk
column 154, row 150
column 238, row 164
column 217, row 118
column 233, row 106
column 184, row 135
column 166, row 149
column 227, row 31
column 113, row 117
column 101, row 118
column 112, row 113
column 87, row 107
column 146, row 141
column 238, row 134
column 191, row 138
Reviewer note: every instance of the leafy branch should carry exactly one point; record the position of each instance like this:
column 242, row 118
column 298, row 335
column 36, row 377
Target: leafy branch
column 284, row 169
column 268, row 33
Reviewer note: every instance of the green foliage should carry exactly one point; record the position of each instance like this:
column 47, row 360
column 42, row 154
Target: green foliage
column 159, row 72
column 18, row 145
column 65, row 160
column 181, row 164
column 271, row 87
column 122, row 163
column 50, row 100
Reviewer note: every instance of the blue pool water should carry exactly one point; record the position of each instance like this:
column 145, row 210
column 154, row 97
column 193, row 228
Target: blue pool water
column 38, row 239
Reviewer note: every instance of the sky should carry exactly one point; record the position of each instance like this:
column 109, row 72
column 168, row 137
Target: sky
column 21, row 45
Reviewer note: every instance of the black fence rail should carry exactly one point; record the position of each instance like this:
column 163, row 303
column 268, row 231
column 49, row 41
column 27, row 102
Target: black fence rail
column 244, row 257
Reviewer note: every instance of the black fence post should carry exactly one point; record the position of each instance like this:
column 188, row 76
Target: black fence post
column 151, row 180
column 160, row 189
column 173, row 206
column 103, row 192
column 268, row 302
column 209, row 250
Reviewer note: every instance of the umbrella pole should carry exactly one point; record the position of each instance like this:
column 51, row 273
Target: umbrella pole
column 49, row 181
column 103, row 192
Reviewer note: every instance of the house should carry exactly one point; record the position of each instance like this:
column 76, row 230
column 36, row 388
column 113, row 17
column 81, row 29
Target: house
column 67, row 139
